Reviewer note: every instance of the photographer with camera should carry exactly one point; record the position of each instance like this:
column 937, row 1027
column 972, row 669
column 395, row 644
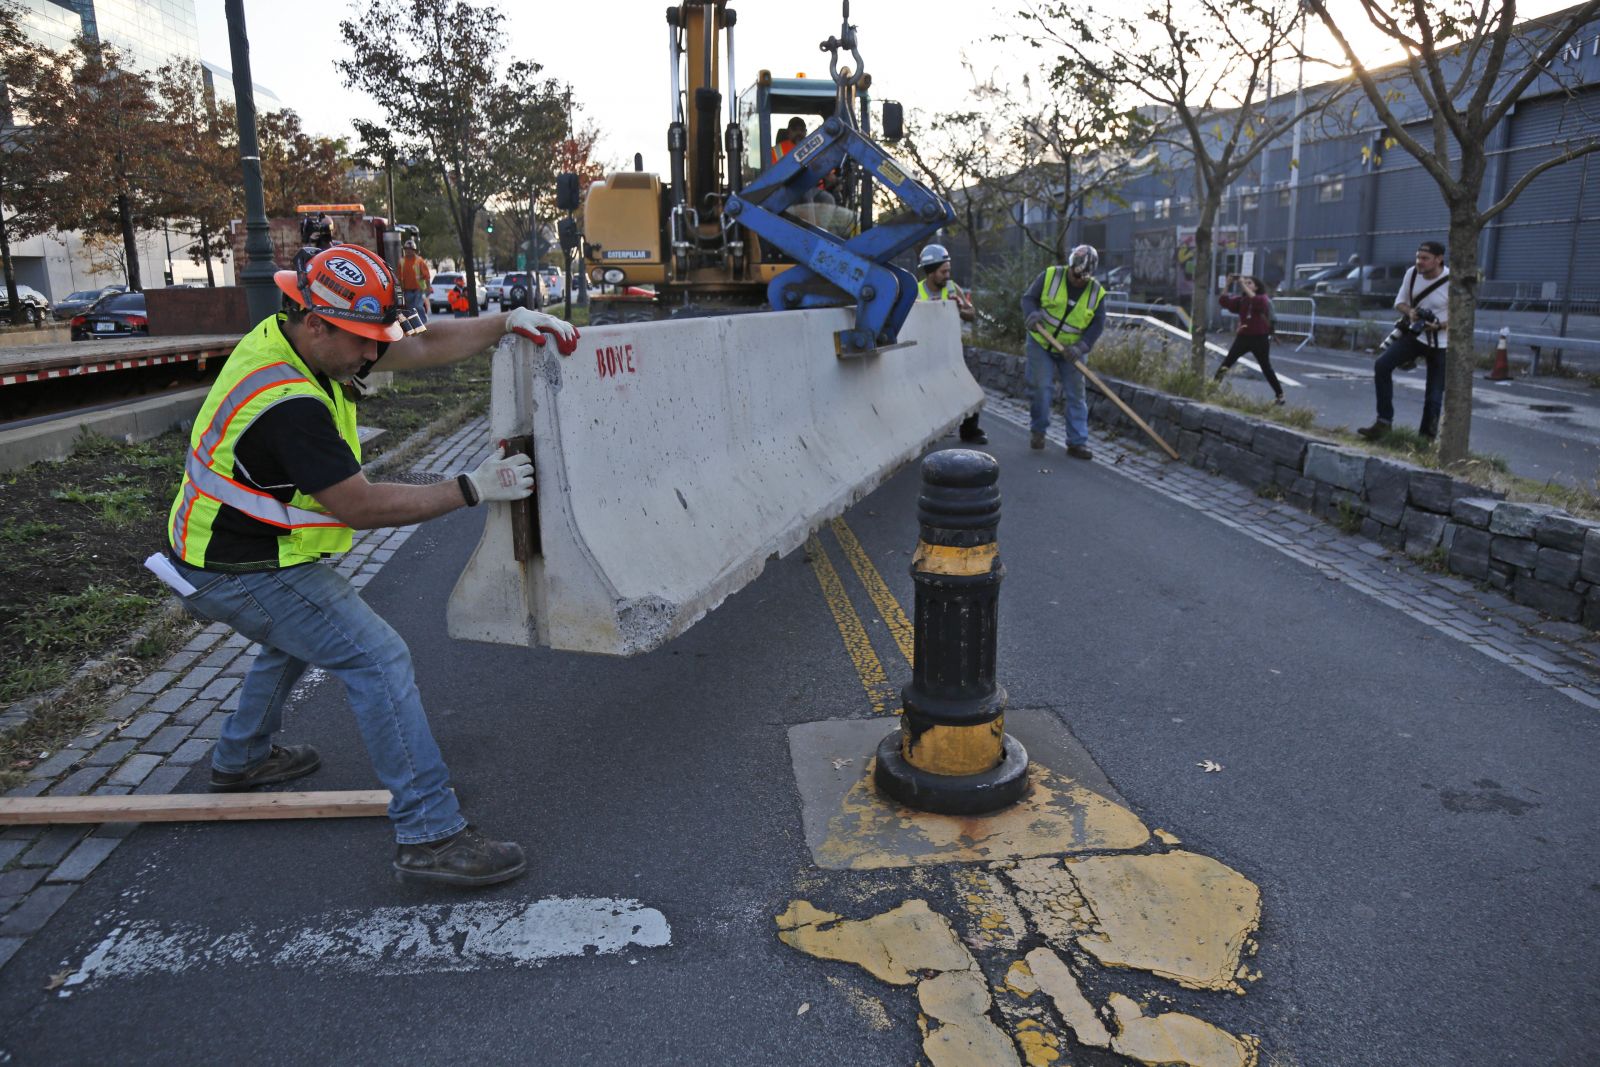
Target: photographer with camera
column 1424, row 301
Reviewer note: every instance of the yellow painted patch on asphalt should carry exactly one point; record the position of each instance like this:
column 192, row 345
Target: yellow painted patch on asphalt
column 1167, row 838
column 1040, row 1048
column 869, row 1007
column 967, row 1037
column 894, row 616
column 1058, row 982
column 856, row 642
column 893, row 946
column 1052, row 902
column 1020, row 980
column 1175, row 1038
column 1178, row 915
column 1058, row 815
column 993, row 919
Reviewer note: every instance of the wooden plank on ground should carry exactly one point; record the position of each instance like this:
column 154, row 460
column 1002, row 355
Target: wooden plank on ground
column 194, row 807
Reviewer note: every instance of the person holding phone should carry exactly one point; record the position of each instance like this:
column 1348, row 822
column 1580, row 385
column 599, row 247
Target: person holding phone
column 1247, row 298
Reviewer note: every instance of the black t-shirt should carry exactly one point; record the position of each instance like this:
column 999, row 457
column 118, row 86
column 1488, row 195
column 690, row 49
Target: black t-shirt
column 293, row 445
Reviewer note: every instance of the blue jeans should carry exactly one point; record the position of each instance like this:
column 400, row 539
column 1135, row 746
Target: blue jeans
column 1403, row 349
column 417, row 300
column 311, row 616
column 1043, row 369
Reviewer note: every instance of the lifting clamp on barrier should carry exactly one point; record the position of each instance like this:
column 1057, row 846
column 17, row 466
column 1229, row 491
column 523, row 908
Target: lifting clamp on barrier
column 828, row 265
column 830, row 269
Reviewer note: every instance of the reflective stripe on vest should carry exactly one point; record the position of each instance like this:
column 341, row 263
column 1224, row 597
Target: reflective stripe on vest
column 1065, row 322
column 263, row 371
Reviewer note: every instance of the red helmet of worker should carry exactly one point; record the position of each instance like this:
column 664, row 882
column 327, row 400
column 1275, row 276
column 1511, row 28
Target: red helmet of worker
column 348, row 286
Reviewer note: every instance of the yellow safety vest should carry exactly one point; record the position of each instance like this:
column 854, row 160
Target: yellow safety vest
column 923, row 293
column 1064, row 321
column 263, row 371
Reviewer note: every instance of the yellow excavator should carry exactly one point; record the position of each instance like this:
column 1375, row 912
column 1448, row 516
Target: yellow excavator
column 657, row 248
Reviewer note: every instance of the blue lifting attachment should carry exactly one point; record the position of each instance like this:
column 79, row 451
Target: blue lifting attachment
column 831, row 270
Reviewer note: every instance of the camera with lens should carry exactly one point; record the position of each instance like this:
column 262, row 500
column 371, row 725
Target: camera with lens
column 1425, row 320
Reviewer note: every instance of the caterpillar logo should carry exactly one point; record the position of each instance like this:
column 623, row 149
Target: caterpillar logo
column 347, row 270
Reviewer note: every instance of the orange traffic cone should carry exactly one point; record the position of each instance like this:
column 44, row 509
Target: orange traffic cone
column 1501, row 371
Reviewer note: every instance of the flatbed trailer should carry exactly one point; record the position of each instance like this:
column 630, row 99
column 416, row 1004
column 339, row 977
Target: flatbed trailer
column 73, row 359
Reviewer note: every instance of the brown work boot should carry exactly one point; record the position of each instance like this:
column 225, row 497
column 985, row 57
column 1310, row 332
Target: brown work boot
column 1036, row 441
column 1079, row 452
column 1377, row 431
column 466, row 858
column 284, row 763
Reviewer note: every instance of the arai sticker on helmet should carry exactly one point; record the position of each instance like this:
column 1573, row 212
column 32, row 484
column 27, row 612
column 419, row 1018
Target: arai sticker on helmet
column 369, row 305
column 347, row 270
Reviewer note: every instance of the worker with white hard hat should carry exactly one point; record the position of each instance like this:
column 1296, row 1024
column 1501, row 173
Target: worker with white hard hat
column 936, row 285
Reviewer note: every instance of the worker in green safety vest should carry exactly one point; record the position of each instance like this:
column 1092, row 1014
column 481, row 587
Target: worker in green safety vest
column 273, row 487
column 1064, row 312
column 936, row 285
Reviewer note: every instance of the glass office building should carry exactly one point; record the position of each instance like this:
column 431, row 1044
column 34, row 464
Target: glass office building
column 148, row 32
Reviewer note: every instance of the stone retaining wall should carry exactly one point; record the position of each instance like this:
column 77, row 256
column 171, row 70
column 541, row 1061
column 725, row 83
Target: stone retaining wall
column 1541, row 555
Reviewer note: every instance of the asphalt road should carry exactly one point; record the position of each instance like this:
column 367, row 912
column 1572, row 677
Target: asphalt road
column 1422, row 823
column 1545, row 428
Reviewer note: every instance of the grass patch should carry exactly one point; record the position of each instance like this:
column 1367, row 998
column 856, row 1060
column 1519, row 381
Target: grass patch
column 1349, row 519
column 62, row 630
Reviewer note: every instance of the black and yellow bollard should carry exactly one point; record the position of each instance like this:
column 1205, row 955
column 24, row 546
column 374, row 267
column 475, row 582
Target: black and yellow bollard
column 951, row 754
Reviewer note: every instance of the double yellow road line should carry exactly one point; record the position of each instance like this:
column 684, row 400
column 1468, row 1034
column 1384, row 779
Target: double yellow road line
column 880, row 693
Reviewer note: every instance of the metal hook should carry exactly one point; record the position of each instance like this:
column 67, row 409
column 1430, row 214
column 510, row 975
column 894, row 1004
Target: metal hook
column 846, row 40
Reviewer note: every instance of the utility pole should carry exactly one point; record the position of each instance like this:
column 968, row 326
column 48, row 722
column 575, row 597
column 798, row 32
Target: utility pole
column 260, row 292
column 1294, row 157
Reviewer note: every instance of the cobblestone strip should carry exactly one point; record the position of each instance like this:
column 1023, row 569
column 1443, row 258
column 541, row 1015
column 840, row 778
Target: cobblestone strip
column 158, row 729
column 1562, row 655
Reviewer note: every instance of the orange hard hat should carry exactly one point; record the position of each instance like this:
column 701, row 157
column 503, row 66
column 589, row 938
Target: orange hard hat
column 348, row 286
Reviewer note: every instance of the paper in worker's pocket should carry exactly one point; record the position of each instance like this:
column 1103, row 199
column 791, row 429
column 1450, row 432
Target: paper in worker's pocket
column 159, row 565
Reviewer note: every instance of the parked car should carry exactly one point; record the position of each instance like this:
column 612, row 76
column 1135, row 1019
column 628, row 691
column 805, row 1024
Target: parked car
column 1369, row 278
column 517, row 283
column 77, row 303
column 113, row 315
column 1117, row 279
column 554, row 287
column 439, row 291
column 30, row 298
column 494, row 289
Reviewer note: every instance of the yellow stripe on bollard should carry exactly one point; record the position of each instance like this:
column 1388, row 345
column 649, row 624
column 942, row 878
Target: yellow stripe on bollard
column 955, row 749
column 942, row 559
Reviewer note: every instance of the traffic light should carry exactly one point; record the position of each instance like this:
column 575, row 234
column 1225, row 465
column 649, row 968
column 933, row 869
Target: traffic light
column 488, row 227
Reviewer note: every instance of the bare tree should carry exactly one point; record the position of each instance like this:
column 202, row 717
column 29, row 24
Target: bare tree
column 202, row 171
column 1206, row 68
column 960, row 155
column 299, row 167
column 98, row 137
column 434, row 66
column 1468, row 64
column 1076, row 146
column 25, row 65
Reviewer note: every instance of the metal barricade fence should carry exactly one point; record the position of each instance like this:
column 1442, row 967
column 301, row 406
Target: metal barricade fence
column 1295, row 316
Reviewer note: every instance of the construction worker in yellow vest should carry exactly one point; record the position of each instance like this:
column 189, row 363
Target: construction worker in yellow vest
column 273, row 486
column 936, row 285
column 1065, row 307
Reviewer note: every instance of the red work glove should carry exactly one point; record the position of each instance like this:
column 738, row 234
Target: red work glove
column 535, row 324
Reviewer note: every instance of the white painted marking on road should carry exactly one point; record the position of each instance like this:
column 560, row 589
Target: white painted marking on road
column 384, row 941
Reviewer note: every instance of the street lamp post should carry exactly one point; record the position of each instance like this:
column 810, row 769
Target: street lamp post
column 260, row 292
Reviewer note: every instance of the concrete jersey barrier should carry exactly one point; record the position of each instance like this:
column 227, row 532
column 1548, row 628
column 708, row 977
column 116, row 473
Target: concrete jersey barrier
column 675, row 458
